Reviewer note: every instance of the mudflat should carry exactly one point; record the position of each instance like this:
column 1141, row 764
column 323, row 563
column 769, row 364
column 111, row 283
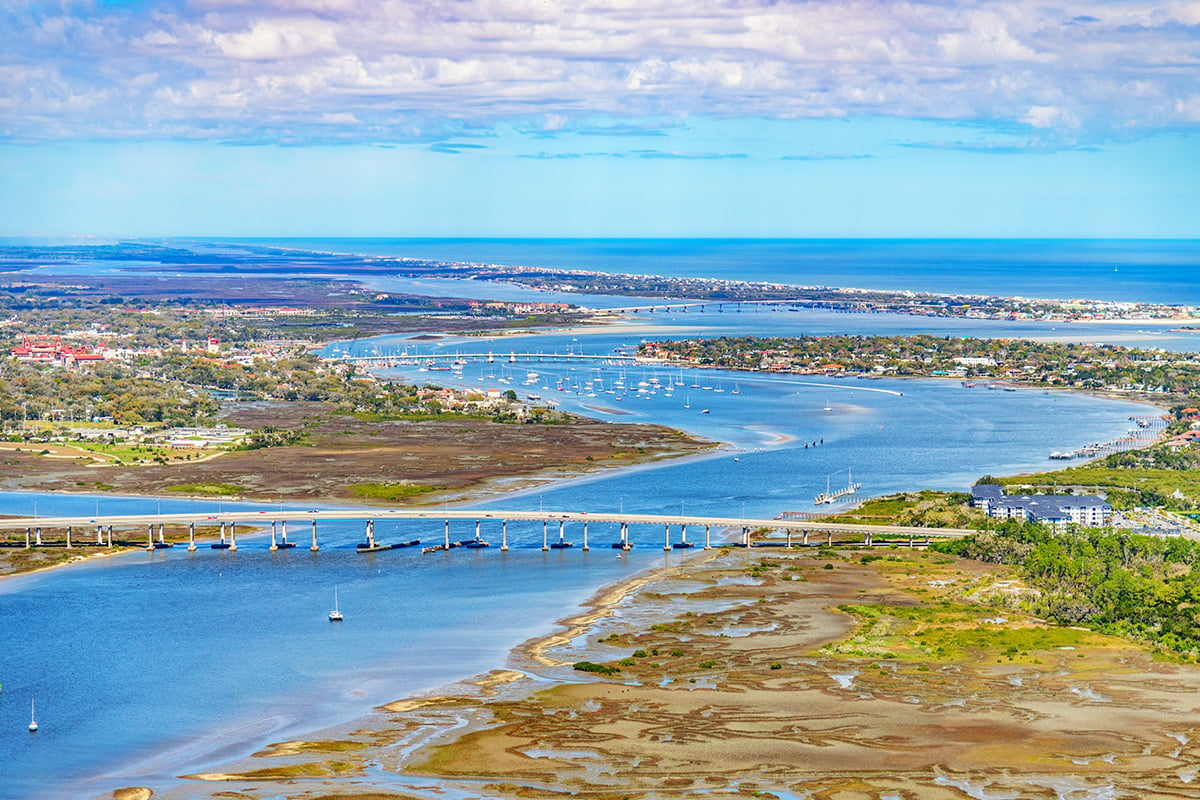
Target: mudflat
column 805, row 673
column 448, row 458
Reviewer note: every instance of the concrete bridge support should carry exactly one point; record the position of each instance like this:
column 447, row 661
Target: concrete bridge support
column 233, row 537
column 545, row 541
column 707, row 540
column 68, row 537
column 504, row 536
column 585, row 544
column 314, row 547
column 191, row 537
column 273, row 546
column 667, row 538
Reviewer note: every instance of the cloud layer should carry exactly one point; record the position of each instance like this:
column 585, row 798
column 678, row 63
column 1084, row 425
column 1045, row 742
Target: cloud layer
column 326, row 71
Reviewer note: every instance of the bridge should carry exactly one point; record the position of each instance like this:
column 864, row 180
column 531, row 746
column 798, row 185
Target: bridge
column 753, row 530
column 405, row 359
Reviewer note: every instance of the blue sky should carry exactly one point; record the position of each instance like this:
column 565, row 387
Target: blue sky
column 605, row 118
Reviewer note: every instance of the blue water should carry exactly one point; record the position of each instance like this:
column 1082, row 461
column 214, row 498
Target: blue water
column 146, row 666
column 1160, row 271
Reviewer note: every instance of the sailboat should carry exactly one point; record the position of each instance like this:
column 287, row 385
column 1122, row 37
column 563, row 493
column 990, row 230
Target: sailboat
column 335, row 615
column 32, row 719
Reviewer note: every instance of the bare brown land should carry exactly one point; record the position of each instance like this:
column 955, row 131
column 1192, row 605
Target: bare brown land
column 740, row 675
column 452, row 456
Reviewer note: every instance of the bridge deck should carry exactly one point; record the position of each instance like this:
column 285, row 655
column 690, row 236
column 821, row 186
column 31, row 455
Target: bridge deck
column 384, row 514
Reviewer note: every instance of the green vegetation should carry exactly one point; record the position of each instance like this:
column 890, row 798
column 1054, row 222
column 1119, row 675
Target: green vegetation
column 1058, row 364
column 925, row 509
column 1143, row 587
column 950, row 632
column 390, row 491
column 599, row 669
column 215, row 489
column 1156, row 476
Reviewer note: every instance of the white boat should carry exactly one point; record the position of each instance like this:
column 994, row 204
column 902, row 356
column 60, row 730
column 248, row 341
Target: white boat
column 335, row 615
column 33, row 726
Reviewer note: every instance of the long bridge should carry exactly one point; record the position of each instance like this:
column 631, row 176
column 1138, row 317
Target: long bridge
column 406, row 359
column 753, row 531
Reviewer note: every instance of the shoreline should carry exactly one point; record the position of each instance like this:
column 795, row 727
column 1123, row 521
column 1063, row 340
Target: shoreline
column 508, row 678
column 813, row 704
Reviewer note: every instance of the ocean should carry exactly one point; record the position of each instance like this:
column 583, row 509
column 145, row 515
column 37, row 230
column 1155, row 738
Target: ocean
column 1146, row 270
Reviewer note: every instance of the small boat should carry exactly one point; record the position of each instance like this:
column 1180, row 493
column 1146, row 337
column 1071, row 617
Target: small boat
column 704, row 411
column 33, row 726
column 335, row 615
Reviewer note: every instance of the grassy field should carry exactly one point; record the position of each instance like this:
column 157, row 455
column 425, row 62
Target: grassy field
column 389, row 491
column 1141, row 479
column 926, row 508
column 214, row 489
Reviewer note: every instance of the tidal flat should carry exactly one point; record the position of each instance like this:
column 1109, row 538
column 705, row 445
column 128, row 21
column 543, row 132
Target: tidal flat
column 832, row 675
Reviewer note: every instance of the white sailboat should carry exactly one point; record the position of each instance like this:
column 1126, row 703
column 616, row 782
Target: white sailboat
column 335, row 615
column 33, row 726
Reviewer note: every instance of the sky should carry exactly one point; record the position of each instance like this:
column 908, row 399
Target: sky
column 761, row 118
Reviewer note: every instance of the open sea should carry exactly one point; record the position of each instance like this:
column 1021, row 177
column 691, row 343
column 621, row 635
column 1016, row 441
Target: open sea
column 148, row 666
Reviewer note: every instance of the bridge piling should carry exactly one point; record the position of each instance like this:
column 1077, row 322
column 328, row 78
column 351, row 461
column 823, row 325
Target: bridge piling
column 504, row 536
column 545, row 543
column 314, row 547
column 667, row 538
column 805, row 538
column 683, row 535
column 829, row 540
column 283, row 534
column 789, row 538
column 562, row 535
column 27, row 532
column 161, row 537
column 150, row 536
column 447, row 536
column 191, row 537
column 585, row 544
column 68, row 537
column 707, row 541
column 273, row 546
column 745, row 536
column 110, row 544
column 38, row 537
column 99, row 534
column 233, row 537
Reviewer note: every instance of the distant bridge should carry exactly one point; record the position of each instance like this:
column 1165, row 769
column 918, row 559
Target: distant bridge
column 795, row 531
column 405, row 359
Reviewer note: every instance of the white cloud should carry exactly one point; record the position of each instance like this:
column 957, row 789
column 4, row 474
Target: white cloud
column 245, row 68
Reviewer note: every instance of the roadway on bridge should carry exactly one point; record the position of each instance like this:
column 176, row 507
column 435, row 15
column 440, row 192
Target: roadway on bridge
column 384, row 514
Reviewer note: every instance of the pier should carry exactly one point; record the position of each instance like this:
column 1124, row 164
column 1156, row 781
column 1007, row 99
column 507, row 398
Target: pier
column 786, row 531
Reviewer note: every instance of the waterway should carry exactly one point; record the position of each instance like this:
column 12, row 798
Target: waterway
column 146, row 666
